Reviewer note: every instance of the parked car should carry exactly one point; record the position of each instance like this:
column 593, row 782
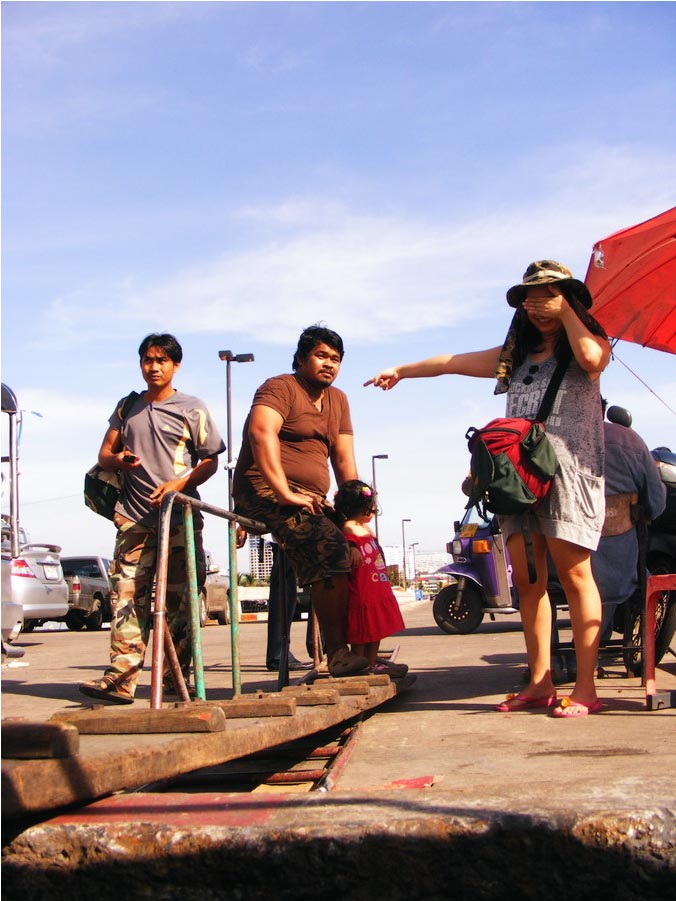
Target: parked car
column 215, row 596
column 88, row 592
column 33, row 571
column 36, row 579
column 12, row 612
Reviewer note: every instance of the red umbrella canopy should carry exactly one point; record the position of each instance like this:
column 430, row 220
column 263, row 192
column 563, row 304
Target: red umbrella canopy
column 632, row 278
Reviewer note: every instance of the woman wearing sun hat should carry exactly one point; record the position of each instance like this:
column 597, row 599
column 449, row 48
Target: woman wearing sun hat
column 551, row 320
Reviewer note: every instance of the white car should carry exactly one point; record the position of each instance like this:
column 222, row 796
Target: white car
column 12, row 613
column 31, row 573
column 215, row 596
column 89, row 591
column 36, row 580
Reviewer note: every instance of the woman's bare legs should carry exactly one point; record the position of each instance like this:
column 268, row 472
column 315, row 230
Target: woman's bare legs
column 369, row 650
column 573, row 565
column 536, row 613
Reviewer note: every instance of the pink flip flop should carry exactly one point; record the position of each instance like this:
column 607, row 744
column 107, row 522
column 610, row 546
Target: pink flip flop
column 512, row 703
column 569, row 709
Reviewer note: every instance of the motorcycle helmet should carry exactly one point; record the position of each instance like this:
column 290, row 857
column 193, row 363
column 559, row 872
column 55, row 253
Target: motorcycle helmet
column 666, row 463
column 619, row 415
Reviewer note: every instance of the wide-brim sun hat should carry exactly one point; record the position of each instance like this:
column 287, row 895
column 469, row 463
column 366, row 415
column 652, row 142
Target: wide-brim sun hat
column 548, row 272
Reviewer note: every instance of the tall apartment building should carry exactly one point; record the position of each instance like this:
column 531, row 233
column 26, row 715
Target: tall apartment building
column 260, row 557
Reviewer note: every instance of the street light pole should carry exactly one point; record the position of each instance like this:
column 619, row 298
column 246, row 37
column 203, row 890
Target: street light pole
column 373, row 485
column 413, row 547
column 403, row 550
column 229, row 357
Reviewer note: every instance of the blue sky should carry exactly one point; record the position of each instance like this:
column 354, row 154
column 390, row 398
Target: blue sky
column 233, row 172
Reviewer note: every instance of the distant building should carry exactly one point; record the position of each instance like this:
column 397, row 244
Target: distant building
column 260, row 557
column 430, row 563
column 423, row 562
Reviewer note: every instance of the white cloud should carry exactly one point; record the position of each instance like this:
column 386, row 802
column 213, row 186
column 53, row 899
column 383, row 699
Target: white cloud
column 383, row 275
column 271, row 59
column 42, row 34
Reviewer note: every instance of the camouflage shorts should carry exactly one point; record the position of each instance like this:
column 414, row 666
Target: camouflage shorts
column 315, row 545
column 132, row 578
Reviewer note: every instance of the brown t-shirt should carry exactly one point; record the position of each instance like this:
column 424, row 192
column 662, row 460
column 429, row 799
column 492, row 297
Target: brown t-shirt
column 306, row 437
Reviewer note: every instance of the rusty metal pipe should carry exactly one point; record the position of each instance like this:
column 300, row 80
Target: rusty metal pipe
column 174, row 667
column 160, row 610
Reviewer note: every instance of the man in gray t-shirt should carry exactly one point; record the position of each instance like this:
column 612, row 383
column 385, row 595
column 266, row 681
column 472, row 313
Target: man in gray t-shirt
column 166, row 441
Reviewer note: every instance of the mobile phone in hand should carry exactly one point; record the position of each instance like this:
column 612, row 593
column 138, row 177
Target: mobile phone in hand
column 129, row 458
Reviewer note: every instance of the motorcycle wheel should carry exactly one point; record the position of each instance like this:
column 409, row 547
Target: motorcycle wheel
column 459, row 619
column 223, row 617
column 94, row 622
column 75, row 621
column 665, row 623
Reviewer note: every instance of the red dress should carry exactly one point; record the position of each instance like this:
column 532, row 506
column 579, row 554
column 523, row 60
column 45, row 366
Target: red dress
column 373, row 611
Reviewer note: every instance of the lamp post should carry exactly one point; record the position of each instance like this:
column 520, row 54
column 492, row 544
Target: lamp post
column 403, row 550
column 228, row 357
column 375, row 457
column 413, row 547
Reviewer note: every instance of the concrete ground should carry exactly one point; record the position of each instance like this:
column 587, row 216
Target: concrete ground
column 436, row 766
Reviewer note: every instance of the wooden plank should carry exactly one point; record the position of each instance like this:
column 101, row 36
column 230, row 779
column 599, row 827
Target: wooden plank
column 101, row 720
column 308, row 695
column 370, row 679
column 24, row 740
column 259, row 705
column 352, row 686
column 299, row 695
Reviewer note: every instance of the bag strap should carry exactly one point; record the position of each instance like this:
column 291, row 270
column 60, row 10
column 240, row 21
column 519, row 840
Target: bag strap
column 127, row 404
column 553, row 386
column 542, row 414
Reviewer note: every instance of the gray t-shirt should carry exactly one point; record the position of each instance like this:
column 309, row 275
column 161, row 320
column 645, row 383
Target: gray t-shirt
column 170, row 437
column 574, row 508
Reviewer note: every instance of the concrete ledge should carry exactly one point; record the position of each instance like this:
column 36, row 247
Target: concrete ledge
column 394, row 845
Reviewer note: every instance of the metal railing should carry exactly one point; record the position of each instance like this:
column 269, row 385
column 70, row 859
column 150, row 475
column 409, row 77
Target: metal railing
column 162, row 641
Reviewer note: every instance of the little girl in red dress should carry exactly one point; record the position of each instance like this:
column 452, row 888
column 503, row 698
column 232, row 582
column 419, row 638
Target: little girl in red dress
column 373, row 611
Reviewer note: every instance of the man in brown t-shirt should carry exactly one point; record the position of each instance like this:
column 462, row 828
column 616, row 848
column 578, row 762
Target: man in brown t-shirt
column 297, row 424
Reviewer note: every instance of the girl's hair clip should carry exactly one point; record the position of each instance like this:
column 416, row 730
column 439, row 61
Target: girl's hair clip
column 366, row 490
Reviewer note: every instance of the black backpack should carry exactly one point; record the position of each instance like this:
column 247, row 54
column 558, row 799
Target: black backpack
column 102, row 487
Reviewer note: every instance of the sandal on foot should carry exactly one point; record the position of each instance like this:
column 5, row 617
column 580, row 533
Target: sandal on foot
column 569, row 709
column 107, row 692
column 387, row 668
column 345, row 663
column 513, row 703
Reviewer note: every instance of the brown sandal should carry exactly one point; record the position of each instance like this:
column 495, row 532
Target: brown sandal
column 105, row 691
column 345, row 663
